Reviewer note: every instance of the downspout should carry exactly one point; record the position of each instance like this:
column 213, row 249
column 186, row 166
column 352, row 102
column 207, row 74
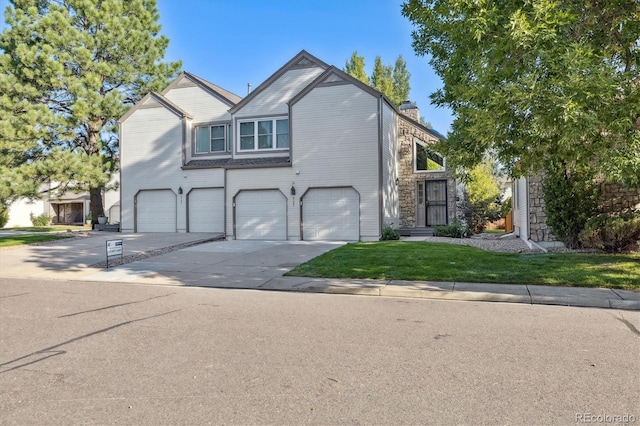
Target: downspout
column 380, row 165
column 120, row 171
column 224, row 192
column 184, row 141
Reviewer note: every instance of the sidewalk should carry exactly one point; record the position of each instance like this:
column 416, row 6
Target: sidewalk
column 510, row 293
column 162, row 259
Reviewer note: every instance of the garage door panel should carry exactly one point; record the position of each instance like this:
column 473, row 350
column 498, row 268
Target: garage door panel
column 156, row 211
column 261, row 215
column 331, row 214
column 206, row 210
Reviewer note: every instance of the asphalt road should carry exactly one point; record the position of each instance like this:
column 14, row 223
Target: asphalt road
column 105, row 353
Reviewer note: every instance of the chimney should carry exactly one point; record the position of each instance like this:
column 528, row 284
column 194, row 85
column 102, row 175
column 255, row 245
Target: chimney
column 248, row 88
column 410, row 109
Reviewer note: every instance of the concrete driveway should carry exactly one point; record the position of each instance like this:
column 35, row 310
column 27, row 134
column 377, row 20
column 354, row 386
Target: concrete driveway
column 228, row 264
column 242, row 264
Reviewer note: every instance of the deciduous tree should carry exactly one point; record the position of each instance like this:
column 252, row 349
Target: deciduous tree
column 68, row 70
column 355, row 68
column 540, row 82
column 393, row 81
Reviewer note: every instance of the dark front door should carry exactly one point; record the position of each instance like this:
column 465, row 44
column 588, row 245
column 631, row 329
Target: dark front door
column 432, row 203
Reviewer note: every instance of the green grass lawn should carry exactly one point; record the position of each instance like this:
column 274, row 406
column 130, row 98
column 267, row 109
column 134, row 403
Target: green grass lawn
column 51, row 228
column 423, row 261
column 16, row 240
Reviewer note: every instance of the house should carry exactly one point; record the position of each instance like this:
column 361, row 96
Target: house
column 68, row 208
column 530, row 217
column 310, row 154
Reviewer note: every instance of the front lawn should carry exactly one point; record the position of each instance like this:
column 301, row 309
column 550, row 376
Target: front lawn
column 16, row 240
column 50, row 228
column 426, row 261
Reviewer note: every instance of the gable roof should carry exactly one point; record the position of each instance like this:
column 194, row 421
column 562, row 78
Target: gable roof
column 333, row 76
column 155, row 99
column 224, row 95
column 302, row 60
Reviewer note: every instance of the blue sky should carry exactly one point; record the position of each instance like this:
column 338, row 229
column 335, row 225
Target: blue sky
column 234, row 42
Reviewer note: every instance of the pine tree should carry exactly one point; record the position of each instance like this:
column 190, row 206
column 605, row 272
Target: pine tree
column 68, row 70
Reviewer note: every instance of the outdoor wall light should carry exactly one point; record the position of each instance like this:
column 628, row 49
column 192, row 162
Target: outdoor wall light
column 293, row 190
column 397, row 181
column 180, row 190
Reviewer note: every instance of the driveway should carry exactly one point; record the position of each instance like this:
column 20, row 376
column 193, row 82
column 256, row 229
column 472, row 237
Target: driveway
column 229, row 264
column 242, row 264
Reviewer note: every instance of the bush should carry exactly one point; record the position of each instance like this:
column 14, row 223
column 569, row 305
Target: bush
column 388, row 233
column 455, row 230
column 42, row 220
column 610, row 233
column 571, row 199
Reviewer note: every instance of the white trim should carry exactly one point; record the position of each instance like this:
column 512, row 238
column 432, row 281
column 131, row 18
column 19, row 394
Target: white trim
column 274, row 134
column 415, row 158
column 227, row 136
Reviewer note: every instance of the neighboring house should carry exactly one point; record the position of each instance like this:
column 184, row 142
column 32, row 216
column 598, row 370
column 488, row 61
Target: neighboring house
column 530, row 217
column 310, row 154
column 68, row 209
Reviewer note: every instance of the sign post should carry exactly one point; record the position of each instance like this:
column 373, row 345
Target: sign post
column 114, row 248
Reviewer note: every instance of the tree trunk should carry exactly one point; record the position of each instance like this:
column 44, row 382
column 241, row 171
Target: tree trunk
column 95, row 204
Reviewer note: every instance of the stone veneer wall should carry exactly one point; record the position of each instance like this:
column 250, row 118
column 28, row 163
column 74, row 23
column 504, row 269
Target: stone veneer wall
column 614, row 197
column 539, row 231
column 618, row 198
column 406, row 176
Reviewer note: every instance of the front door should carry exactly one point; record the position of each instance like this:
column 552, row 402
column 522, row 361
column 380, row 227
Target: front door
column 431, row 203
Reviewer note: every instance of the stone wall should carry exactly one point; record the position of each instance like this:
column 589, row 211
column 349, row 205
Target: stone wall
column 539, row 231
column 407, row 131
column 614, row 198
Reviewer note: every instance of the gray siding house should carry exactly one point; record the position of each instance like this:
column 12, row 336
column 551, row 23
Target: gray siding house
column 310, row 154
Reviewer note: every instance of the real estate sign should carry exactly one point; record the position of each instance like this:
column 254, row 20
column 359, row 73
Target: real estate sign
column 114, row 248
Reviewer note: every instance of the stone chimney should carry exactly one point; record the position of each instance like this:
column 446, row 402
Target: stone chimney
column 410, row 109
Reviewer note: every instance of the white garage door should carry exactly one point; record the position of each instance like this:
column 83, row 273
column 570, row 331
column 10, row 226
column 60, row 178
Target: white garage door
column 206, row 210
column 331, row 214
column 156, row 211
column 261, row 215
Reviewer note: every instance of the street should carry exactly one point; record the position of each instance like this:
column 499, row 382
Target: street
column 74, row 352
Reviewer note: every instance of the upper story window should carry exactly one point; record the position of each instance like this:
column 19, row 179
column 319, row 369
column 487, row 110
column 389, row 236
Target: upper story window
column 211, row 139
column 427, row 160
column 264, row 134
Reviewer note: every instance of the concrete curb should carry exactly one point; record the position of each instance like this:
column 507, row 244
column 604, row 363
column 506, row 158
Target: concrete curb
column 477, row 292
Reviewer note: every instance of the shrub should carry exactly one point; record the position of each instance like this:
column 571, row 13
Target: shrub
column 41, row 220
column 481, row 203
column 611, row 233
column 455, row 230
column 571, row 199
column 388, row 233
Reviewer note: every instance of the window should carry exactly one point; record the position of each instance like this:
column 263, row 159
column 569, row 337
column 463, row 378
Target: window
column 211, row 139
column 262, row 131
column 427, row 160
